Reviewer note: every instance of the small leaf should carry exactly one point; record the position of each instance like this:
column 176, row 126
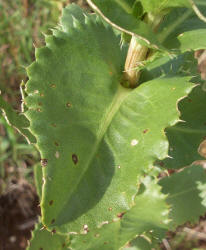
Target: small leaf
column 16, row 120
column 186, row 136
column 185, row 191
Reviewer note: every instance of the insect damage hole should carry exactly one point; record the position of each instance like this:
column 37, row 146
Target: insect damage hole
column 68, row 105
column 134, row 142
column 75, row 159
column 51, row 203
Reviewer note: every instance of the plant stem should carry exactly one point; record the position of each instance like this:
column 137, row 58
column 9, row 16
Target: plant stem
column 137, row 53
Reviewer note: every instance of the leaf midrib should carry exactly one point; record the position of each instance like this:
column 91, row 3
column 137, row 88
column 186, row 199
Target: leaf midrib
column 119, row 97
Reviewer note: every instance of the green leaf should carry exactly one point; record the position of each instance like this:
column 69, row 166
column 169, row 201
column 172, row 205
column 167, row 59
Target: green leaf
column 16, row 120
column 45, row 240
column 138, row 244
column 186, row 191
column 194, row 40
column 80, row 114
column 156, row 6
column 185, row 137
column 149, row 214
column 183, row 30
column 182, row 65
column 121, row 16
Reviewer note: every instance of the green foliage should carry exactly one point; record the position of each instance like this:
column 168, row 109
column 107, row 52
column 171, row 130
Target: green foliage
column 149, row 213
column 78, row 119
column 99, row 140
column 186, row 136
column 18, row 121
column 186, row 197
column 42, row 239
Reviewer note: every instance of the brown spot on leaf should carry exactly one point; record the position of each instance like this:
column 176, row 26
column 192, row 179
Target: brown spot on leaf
column 120, row 215
column 41, row 248
column 51, row 202
column 68, row 105
column 145, row 131
column 110, row 209
column 53, row 231
column 40, row 103
column 38, row 110
column 41, row 94
column 189, row 100
column 161, row 163
column 75, row 159
column 54, row 125
column 53, row 220
column 56, row 143
column 44, row 162
column 53, row 85
column 63, row 245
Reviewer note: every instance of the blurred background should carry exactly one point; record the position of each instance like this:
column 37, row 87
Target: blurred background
column 22, row 25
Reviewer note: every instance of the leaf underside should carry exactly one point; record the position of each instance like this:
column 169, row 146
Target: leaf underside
column 80, row 115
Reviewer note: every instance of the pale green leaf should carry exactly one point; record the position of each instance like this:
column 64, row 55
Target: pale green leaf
column 186, row 191
column 95, row 137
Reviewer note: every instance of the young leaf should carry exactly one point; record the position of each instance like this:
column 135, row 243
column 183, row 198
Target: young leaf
column 18, row 121
column 45, row 240
column 185, row 137
column 149, row 214
column 80, row 114
column 186, row 195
